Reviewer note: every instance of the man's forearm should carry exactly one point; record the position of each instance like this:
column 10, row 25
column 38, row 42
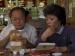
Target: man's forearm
column 4, row 42
column 27, row 44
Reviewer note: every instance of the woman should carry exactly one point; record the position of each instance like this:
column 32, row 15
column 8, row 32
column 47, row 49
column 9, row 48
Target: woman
column 56, row 31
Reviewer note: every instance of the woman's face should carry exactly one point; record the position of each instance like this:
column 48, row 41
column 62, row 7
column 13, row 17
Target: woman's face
column 52, row 21
column 18, row 19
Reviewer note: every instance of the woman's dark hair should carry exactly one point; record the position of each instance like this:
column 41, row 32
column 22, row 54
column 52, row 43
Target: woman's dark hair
column 24, row 12
column 56, row 10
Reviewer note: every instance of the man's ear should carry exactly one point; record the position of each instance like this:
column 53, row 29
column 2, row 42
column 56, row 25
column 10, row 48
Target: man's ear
column 29, row 18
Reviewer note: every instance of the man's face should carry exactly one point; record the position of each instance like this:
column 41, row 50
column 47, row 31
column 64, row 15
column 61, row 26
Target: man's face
column 52, row 21
column 18, row 19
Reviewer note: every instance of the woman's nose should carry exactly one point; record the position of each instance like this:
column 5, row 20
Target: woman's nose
column 48, row 21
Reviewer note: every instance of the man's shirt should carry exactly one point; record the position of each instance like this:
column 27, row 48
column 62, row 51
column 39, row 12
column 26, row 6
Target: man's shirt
column 29, row 32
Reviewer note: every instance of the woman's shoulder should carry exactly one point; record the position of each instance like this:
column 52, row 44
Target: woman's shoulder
column 69, row 31
column 69, row 28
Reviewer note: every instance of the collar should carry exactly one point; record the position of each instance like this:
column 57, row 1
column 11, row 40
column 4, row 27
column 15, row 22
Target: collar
column 60, row 30
column 25, row 27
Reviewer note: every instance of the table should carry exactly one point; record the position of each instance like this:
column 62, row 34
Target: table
column 35, row 53
column 9, row 53
column 72, row 54
column 64, row 54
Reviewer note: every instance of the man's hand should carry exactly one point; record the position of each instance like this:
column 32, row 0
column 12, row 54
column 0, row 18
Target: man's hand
column 19, row 37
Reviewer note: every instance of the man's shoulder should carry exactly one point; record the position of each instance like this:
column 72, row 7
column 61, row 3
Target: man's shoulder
column 10, row 26
column 30, row 27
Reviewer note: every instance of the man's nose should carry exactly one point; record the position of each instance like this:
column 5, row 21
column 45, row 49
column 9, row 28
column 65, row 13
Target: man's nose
column 17, row 21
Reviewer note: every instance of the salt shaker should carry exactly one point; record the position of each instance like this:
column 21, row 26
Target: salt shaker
column 21, row 52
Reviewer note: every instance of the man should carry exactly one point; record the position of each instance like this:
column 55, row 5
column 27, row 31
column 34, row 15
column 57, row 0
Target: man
column 18, row 17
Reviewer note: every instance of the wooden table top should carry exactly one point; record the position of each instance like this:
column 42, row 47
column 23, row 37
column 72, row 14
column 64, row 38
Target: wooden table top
column 8, row 53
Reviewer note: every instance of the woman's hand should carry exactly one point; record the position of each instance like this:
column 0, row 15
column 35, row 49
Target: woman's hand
column 48, row 32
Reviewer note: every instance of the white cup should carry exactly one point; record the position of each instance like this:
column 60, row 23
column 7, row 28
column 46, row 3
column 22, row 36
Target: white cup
column 57, row 54
column 14, row 53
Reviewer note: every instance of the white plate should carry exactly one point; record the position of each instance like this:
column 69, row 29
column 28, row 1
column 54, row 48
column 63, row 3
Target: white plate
column 47, row 44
